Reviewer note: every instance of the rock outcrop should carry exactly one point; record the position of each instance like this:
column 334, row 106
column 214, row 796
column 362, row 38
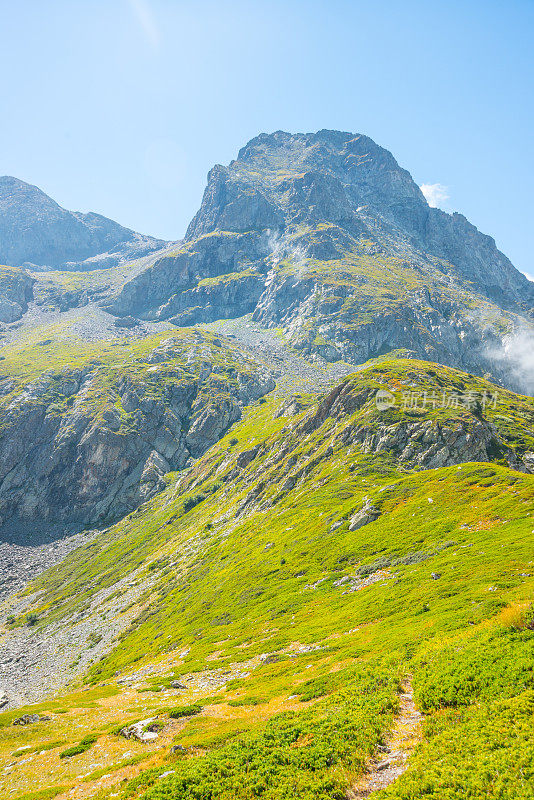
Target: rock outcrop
column 367, row 513
column 16, row 290
column 188, row 278
column 91, row 444
column 347, row 423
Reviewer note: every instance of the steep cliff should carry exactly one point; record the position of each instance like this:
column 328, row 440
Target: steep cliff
column 92, row 437
column 16, row 290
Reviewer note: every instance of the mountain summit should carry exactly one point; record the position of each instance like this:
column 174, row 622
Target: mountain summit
column 288, row 180
column 231, row 569
column 325, row 235
column 36, row 231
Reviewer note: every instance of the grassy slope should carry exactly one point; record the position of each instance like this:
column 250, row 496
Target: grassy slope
column 53, row 348
column 267, row 578
column 50, row 353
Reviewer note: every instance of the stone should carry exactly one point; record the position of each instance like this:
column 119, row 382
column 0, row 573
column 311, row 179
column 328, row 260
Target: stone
column 29, row 719
column 272, row 658
column 126, row 322
column 178, row 748
column 367, row 513
column 246, row 457
column 141, row 731
column 382, row 765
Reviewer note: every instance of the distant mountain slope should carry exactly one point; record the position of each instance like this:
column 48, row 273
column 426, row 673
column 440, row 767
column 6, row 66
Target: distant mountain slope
column 34, row 229
column 324, row 235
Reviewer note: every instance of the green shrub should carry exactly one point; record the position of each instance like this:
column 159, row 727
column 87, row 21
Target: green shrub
column 497, row 664
column 42, row 794
column 305, row 755
column 248, row 700
column 185, row 711
column 84, row 745
column 483, row 752
column 191, row 502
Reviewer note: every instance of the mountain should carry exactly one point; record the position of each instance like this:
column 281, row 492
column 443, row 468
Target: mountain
column 88, row 435
column 286, row 552
column 325, row 236
column 35, row 231
column 333, row 592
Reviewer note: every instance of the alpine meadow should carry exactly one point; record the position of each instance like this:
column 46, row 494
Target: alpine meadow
column 267, row 490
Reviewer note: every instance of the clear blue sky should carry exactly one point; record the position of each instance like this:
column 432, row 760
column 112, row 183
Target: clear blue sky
column 122, row 106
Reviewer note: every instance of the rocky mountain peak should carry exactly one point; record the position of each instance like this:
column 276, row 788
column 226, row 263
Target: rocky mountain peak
column 280, row 181
column 354, row 158
column 37, row 231
column 325, row 235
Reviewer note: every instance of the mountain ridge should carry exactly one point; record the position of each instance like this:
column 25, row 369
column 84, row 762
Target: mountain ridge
column 36, row 231
column 304, row 509
column 261, row 615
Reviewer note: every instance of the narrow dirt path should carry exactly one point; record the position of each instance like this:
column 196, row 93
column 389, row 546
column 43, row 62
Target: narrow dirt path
column 391, row 758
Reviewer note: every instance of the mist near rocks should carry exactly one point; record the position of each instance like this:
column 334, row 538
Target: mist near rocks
column 517, row 354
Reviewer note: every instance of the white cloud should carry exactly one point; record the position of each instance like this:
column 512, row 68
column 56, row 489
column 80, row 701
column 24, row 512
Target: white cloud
column 435, row 194
column 529, row 276
column 145, row 18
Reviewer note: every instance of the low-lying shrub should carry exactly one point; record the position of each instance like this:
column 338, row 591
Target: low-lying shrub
column 185, row 711
column 85, row 744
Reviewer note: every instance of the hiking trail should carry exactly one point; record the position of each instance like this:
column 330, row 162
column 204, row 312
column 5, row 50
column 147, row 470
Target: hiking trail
column 391, row 759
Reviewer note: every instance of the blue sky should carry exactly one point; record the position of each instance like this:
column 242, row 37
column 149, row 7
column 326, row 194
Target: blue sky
column 122, row 106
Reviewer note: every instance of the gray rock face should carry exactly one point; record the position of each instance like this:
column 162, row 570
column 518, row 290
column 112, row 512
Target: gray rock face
column 368, row 513
column 36, row 230
column 174, row 283
column 325, row 235
column 16, row 290
column 424, row 443
column 89, row 445
column 406, row 442
column 231, row 203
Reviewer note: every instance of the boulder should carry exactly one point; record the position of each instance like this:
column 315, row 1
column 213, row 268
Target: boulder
column 367, row 513
column 29, row 719
column 126, row 322
column 143, row 731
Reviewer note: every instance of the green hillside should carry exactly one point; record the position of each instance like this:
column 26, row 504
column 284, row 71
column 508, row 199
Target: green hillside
column 292, row 635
